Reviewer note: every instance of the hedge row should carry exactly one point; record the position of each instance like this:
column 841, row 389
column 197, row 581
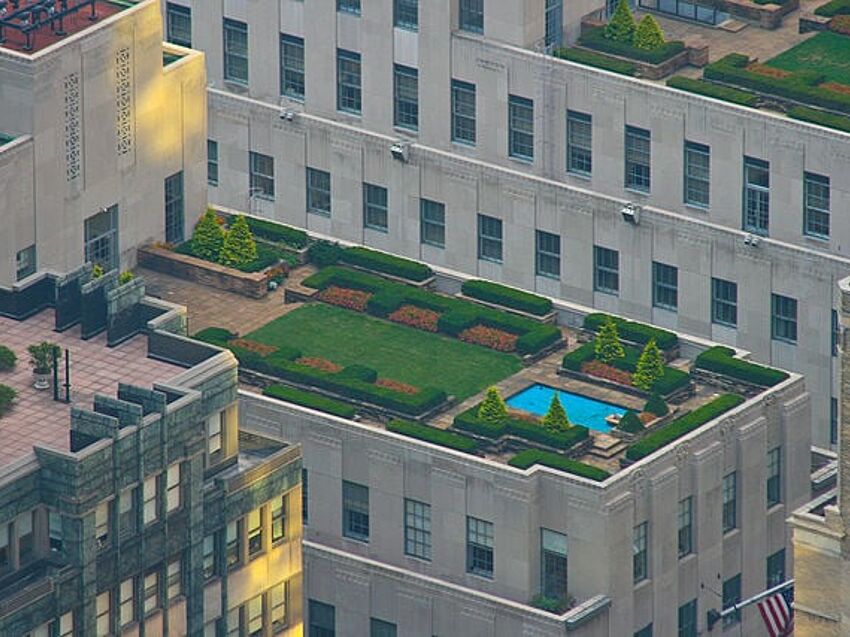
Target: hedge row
column 801, row 86
column 631, row 331
column 433, row 435
column 524, row 459
column 311, row 400
column 722, row 360
column 680, row 426
column 595, row 39
column 813, row 115
column 277, row 232
column 386, row 263
column 468, row 421
column 834, row 7
column 701, row 87
column 508, row 297
column 597, row 60
column 456, row 315
column 215, row 336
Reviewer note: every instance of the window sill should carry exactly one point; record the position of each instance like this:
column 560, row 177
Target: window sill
column 817, row 239
column 357, row 115
column 293, row 97
column 359, row 540
column 784, row 341
column 580, row 175
column 728, row 326
column 484, row 576
column 756, row 231
column 319, row 213
column 637, row 191
column 697, row 207
column 772, row 508
column 687, row 557
column 377, row 229
column 521, row 159
column 212, row 184
column 666, row 308
column 406, row 130
column 548, row 277
column 489, row 260
column 731, row 533
column 417, row 559
column 646, row 581
column 236, row 85
column 614, row 293
column 463, row 144
column 433, row 245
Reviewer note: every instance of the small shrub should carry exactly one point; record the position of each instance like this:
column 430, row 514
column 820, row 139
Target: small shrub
column 7, row 397
column 311, row 400
column 41, row 356
column 208, row 237
column 215, row 336
column 536, row 339
column 607, row 346
column 97, row 271
column 324, row 253
column 721, row 360
column 656, row 405
column 650, row 367
column 493, row 408
column 556, row 418
column 386, row 263
column 595, row 39
column 576, row 358
column 7, row 358
column 597, row 60
column 630, row 423
column 621, row 27
column 433, row 435
column 125, row 277
column 507, row 297
column 529, row 457
column 551, row 604
column 239, row 247
column 648, row 34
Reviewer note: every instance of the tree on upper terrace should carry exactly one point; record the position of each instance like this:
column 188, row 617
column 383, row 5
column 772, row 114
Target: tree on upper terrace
column 607, row 346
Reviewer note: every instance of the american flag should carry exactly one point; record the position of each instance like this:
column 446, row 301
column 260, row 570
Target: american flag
column 777, row 613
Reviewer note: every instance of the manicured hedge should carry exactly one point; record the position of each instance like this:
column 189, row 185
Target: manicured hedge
column 680, row 426
column 456, row 315
column 801, row 86
column 267, row 256
column 468, row 421
column 635, row 332
column 508, row 297
column 573, row 360
column 834, row 7
column 529, row 457
column 271, row 231
column 311, row 400
column 595, row 39
column 436, row 436
column 386, row 263
column 701, row 87
column 215, row 336
column 597, row 60
column 722, row 360
column 813, row 115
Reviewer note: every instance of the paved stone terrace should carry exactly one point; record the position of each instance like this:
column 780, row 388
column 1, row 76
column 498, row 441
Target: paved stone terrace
column 35, row 419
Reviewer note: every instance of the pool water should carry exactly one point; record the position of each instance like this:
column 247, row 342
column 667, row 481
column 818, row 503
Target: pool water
column 581, row 410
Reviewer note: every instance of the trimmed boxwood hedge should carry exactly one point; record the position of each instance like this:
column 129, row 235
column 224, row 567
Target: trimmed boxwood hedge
column 834, row 7
column 436, row 436
column 468, row 421
column 631, row 331
column 722, row 360
column 680, row 426
column 508, row 297
column 597, row 60
column 456, row 315
column 215, row 336
column 276, row 232
column 814, row 116
column 726, row 93
column 595, row 39
column 529, row 457
column 311, row 400
column 386, row 263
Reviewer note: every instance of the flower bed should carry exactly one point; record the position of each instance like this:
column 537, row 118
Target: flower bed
column 345, row 297
column 529, row 457
column 416, row 317
column 608, row 372
column 396, row 385
column 489, row 337
column 253, row 346
column 433, row 435
column 507, row 297
column 322, row 364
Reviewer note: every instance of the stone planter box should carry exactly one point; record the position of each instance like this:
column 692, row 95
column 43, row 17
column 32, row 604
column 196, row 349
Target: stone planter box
column 251, row 284
column 586, row 335
column 766, row 16
column 646, row 69
column 546, row 318
column 812, row 22
column 626, row 389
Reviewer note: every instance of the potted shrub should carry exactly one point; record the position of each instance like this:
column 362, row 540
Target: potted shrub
column 41, row 360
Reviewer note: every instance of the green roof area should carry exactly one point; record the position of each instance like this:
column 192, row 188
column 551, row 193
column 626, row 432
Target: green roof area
column 826, row 53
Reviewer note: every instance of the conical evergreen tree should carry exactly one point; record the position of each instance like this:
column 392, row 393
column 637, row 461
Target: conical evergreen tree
column 607, row 346
column 208, row 237
column 650, row 367
column 621, row 27
column 556, row 418
column 493, row 408
column 239, row 247
column 648, row 35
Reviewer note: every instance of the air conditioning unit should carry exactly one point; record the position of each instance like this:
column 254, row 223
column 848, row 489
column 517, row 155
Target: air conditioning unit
column 631, row 213
column 751, row 240
column 400, row 151
column 286, row 114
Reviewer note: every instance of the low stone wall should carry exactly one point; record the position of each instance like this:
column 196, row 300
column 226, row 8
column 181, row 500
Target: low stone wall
column 766, row 16
column 647, row 70
column 251, row 284
column 812, row 22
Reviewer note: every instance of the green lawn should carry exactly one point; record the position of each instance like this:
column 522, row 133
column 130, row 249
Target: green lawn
column 397, row 352
column 827, row 53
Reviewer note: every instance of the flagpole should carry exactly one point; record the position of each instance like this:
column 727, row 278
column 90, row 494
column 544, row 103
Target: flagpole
column 714, row 616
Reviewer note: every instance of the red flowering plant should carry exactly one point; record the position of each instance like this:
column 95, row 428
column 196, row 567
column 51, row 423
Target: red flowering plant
column 402, row 388
column 416, row 317
column 489, row 337
column 345, row 297
column 322, row 364
column 608, row 372
column 253, row 346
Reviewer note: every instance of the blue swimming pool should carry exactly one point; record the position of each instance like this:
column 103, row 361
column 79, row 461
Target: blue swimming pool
column 581, row 410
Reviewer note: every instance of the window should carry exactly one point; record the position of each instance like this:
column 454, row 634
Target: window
column 731, row 596
column 520, row 127
column 730, row 501
column 463, row 112
column 234, row 622
column 174, row 208
column 304, row 501
column 471, row 16
column 127, row 511
column 665, row 286
column 406, row 14
column 321, row 618
column 178, row 24
column 278, row 515
column 127, row 602
column 697, row 174
column 417, row 529
column 776, row 568
column 101, row 525
column 554, row 35
column 756, row 195
column 25, row 263
column 65, row 625
column 278, row 596
column 101, row 239
column 292, row 66
column 833, row 421
column 489, row 238
column 406, row 93
column 375, row 207
column 255, row 533
column 380, row 628
column 24, row 529
column 348, row 93
column 637, row 159
column 232, row 537
column 784, row 318
column 432, row 227
column 212, row 162
column 547, row 259
column 102, row 619
column 261, row 172
column 355, row 511
column 150, row 599
column 479, row 547
column 816, row 205
column 214, row 433
column 724, row 302
column 235, row 51
column 209, row 561
column 774, row 476
column 254, row 616
column 553, row 564
column 685, row 519
column 688, row 619
column 646, row 631
column 579, row 143
column 348, row 6
column 174, row 579
column 55, row 535
column 150, row 501
column 172, row 488
column 835, row 332
column 5, row 549
column 606, row 270
column 640, row 552
column 319, row 192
